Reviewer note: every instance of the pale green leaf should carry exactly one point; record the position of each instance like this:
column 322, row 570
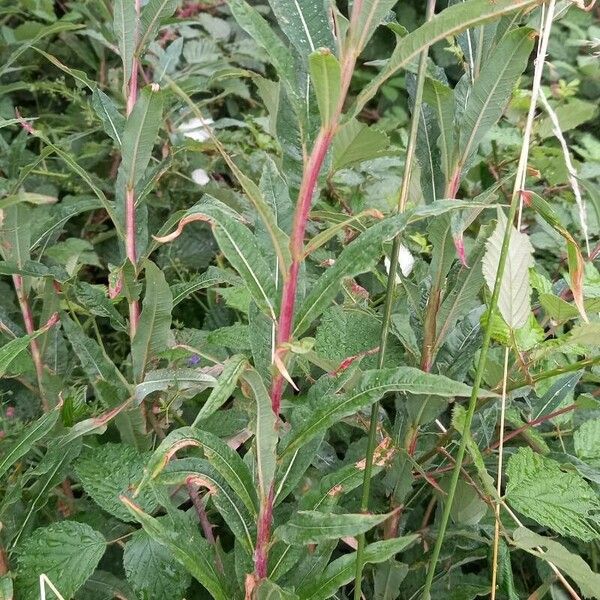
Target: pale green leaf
column 356, row 142
column 153, row 13
column 514, row 301
column 125, row 29
column 587, row 442
column 325, row 74
column 191, row 381
column 112, row 120
column 562, row 501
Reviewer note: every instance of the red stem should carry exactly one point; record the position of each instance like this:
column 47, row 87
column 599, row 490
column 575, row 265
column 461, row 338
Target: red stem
column 261, row 554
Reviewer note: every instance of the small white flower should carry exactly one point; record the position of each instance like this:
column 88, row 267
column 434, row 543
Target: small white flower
column 200, row 176
column 406, row 262
column 197, row 129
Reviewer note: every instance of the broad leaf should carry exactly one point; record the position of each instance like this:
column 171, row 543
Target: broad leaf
column 515, row 290
column 312, row 527
column 66, row 552
column 562, row 501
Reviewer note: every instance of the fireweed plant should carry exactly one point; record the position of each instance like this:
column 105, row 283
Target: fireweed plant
column 299, row 300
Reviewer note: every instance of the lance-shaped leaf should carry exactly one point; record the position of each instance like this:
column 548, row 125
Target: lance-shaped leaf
column 239, row 246
column 449, row 22
column 514, row 301
column 112, row 120
column 201, row 473
column 552, row 551
column 325, row 74
column 561, row 500
column 371, row 388
column 492, row 90
column 226, row 461
column 212, row 277
column 74, row 544
column 370, row 14
column 152, row 334
column 233, row 367
column 574, row 255
column 186, row 546
column 190, row 380
column 342, row 570
column 140, row 134
column 312, row 527
column 356, row 142
column 125, row 28
column 153, row 14
column 265, row 432
column 26, row 441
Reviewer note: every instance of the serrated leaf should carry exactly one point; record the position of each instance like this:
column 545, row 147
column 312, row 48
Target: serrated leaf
column 587, row 442
column 109, row 471
column 233, row 367
column 341, row 571
column 152, row 334
column 32, row 434
column 562, row 501
column 313, row 527
column 572, row 564
column 186, row 546
column 492, row 91
column 325, row 74
column 371, row 388
column 152, row 571
column 66, row 552
column 140, row 134
column 226, row 461
column 125, row 29
column 514, row 301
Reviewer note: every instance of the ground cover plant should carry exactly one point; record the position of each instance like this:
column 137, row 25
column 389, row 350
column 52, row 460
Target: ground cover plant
column 299, row 300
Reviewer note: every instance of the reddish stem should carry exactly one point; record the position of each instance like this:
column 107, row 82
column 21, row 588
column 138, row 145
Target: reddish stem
column 261, row 554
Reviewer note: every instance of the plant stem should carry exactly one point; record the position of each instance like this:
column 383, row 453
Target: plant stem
column 514, row 205
column 389, row 301
column 33, row 345
column 130, row 228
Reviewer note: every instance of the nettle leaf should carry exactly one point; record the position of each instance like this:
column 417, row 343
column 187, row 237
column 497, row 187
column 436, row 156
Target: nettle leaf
column 572, row 564
column 186, row 545
column 152, row 334
column 66, row 552
column 342, row 570
column 373, row 385
column 492, row 91
column 125, row 28
column 325, row 74
column 312, row 527
column 562, row 501
column 515, row 289
column 109, row 471
column 587, row 442
column 151, row 569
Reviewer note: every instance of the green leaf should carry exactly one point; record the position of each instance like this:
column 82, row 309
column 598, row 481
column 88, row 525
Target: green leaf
column 29, row 437
column 11, row 350
column 95, row 300
column 233, row 367
column 572, row 564
column 515, row 290
column 356, row 142
column 451, row 21
column 112, row 120
column 140, row 134
column 342, row 570
column 153, row 14
column 109, row 471
column 373, row 385
column 325, row 74
column 192, row 381
column 265, row 432
column 312, row 527
column 562, row 501
column 186, row 546
column 66, row 552
column 151, row 570
column 152, row 334
column 370, row 14
column 267, row 590
column 492, row 90
column 212, row 277
column 226, row 461
column 587, row 442
column 125, row 28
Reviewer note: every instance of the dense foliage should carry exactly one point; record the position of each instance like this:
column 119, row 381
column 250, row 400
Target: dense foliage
column 298, row 300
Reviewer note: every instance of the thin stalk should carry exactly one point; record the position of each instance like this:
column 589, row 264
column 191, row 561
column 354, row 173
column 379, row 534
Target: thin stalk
column 389, row 301
column 36, row 355
column 130, row 242
column 514, row 206
column 499, row 482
